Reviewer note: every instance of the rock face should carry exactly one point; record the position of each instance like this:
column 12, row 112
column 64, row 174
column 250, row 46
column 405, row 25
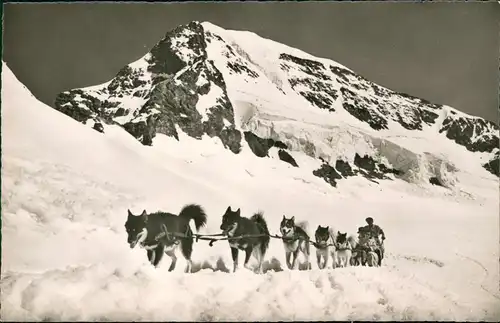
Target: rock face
column 470, row 133
column 174, row 85
column 475, row 134
column 190, row 80
column 493, row 166
column 366, row 166
column 328, row 173
column 316, row 86
column 259, row 146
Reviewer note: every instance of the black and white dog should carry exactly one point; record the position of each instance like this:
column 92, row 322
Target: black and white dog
column 325, row 246
column 162, row 232
column 234, row 225
column 295, row 240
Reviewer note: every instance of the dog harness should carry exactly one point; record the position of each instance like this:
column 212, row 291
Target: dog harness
column 169, row 238
column 344, row 246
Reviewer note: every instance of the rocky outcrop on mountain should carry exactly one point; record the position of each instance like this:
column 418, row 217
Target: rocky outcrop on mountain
column 476, row 135
column 260, row 147
column 315, row 86
column 328, row 174
column 435, row 181
column 366, row 166
column 175, row 86
column 188, row 82
column 376, row 105
column 286, row 157
column 493, row 166
column 363, row 99
column 470, row 133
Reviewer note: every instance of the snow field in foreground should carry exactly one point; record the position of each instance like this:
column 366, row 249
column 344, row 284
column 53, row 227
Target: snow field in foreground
column 344, row 294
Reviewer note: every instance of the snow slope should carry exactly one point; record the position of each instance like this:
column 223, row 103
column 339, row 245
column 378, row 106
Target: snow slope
column 65, row 193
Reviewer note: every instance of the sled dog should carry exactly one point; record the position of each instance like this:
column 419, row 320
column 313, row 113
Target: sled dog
column 372, row 259
column 144, row 230
column 295, row 240
column 325, row 246
column 372, row 252
column 344, row 249
column 234, row 225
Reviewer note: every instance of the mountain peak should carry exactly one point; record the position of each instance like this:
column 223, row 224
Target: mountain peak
column 252, row 92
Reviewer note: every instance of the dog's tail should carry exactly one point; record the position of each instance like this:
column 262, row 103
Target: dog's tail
column 352, row 241
column 194, row 212
column 304, row 225
column 258, row 218
column 333, row 234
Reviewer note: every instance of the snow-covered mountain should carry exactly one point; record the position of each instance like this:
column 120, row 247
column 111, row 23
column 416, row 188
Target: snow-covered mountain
column 65, row 193
column 193, row 137
column 246, row 90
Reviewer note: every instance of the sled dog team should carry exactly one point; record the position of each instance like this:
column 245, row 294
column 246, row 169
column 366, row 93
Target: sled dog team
column 162, row 233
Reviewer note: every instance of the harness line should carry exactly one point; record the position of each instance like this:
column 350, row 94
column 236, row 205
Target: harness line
column 209, row 237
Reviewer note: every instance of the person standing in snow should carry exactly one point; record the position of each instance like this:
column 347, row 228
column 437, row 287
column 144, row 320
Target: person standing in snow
column 376, row 231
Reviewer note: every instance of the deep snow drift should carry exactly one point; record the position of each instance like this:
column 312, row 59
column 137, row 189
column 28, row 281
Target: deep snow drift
column 65, row 193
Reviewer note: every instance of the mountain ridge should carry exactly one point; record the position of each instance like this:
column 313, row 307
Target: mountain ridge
column 201, row 79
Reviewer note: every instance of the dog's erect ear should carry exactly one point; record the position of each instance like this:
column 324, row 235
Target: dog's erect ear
column 293, row 218
column 339, row 232
column 228, row 209
column 319, row 226
column 284, row 217
column 129, row 213
column 238, row 211
column 144, row 216
column 327, row 227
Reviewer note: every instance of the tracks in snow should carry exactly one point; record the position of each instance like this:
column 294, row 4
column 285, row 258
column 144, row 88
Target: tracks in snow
column 487, row 273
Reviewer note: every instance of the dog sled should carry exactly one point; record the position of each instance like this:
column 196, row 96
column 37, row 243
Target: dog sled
column 162, row 233
column 368, row 252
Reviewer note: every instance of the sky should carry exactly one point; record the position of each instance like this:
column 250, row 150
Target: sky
column 444, row 52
